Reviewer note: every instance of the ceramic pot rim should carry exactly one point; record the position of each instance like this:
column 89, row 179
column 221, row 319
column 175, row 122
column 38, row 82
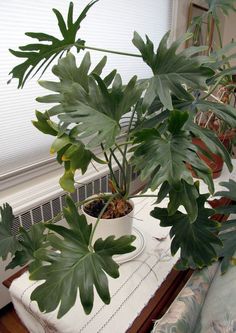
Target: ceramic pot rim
column 113, row 219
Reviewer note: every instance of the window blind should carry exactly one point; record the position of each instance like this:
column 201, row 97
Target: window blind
column 109, row 24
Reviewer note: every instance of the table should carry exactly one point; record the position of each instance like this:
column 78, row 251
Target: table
column 146, row 287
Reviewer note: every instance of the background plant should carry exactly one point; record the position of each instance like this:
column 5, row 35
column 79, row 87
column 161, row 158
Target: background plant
column 223, row 91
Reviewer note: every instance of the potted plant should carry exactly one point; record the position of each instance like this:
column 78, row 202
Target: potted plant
column 157, row 142
column 224, row 89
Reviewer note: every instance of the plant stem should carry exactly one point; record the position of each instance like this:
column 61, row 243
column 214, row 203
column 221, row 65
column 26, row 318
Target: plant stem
column 126, row 145
column 142, row 196
column 108, row 51
column 110, row 168
column 211, row 91
column 98, row 219
column 219, row 33
column 125, row 166
column 120, row 167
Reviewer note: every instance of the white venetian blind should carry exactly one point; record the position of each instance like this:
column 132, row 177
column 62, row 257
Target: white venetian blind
column 109, row 24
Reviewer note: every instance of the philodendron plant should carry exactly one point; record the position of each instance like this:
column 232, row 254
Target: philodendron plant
column 157, row 142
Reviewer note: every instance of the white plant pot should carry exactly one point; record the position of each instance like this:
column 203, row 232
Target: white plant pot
column 118, row 227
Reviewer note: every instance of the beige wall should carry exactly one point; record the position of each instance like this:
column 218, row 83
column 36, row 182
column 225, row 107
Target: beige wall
column 182, row 15
column 229, row 32
column 182, row 12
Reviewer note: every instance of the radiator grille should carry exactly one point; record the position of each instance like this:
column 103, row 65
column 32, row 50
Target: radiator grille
column 50, row 209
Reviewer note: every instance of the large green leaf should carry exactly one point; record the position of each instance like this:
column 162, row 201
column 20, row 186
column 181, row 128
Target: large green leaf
column 171, row 70
column 22, row 245
column 30, row 241
column 77, row 265
column 40, row 55
column 85, row 104
column 186, row 196
column 78, row 84
column 92, row 123
column 8, row 241
column 163, row 158
column 196, row 240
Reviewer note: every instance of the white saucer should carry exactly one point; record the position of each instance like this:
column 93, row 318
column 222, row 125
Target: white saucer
column 139, row 243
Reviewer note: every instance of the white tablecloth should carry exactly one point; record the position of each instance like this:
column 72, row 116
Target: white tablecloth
column 138, row 281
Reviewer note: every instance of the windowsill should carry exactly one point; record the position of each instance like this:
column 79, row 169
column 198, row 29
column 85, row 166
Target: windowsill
column 42, row 188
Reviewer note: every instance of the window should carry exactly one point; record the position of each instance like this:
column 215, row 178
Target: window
column 109, row 24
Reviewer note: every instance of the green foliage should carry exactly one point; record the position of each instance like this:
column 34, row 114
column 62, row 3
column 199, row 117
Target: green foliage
column 228, row 229
column 212, row 142
column 231, row 187
column 187, row 196
column 215, row 7
column 30, row 241
column 220, row 5
column 86, row 108
column 23, row 245
column 69, row 150
column 196, row 240
column 77, row 265
column 85, row 100
column 222, row 111
column 163, row 159
column 222, row 55
column 41, row 55
column 171, row 70
column 8, row 242
column 44, row 124
column 90, row 110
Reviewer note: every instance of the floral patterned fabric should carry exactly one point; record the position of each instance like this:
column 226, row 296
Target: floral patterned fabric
column 218, row 314
column 185, row 310
column 207, row 304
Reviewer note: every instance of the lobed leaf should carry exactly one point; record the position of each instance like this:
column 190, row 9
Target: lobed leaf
column 76, row 266
column 165, row 157
column 38, row 55
column 171, row 70
column 30, row 241
column 196, row 240
column 8, row 241
column 231, row 187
